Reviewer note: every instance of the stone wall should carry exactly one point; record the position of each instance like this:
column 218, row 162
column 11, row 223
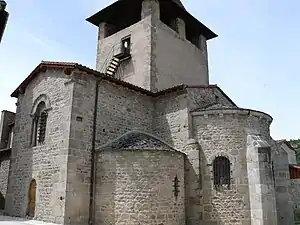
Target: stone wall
column 224, row 134
column 290, row 152
column 136, row 187
column 177, row 61
column 171, row 119
column 207, row 97
column 193, row 183
column 295, row 194
column 119, row 110
column 7, row 118
column 45, row 163
column 261, row 180
column 4, row 172
column 156, row 53
column 80, row 146
column 284, row 202
column 137, row 69
column 172, row 122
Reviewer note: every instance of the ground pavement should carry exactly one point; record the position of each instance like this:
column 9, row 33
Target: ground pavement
column 5, row 220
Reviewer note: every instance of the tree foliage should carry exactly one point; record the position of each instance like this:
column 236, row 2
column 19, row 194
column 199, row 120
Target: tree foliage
column 296, row 145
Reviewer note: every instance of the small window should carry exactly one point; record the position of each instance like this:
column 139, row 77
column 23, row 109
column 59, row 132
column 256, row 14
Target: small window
column 221, row 169
column 126, row 45
column 39, row 124
column 42, row 127
column 10, row 136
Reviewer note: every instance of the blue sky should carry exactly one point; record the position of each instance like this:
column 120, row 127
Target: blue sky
column 254, row 60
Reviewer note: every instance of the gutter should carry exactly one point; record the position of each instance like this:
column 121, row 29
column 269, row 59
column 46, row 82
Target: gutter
column 93, row 157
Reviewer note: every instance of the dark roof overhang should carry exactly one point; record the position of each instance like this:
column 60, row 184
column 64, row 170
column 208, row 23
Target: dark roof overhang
column 132, row 8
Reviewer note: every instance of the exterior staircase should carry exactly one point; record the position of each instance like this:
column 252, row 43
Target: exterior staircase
column 118, row 54
column 113, row 66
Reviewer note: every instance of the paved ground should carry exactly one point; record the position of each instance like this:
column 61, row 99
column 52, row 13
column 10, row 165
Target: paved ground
column 5, row 220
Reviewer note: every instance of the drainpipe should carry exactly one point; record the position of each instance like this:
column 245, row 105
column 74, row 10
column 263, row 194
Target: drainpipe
column 93, row 161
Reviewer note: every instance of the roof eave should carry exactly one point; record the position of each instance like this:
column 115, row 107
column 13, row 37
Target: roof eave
column 17, row 91
column 93, row 19
column 98, row 18
column 40, row 68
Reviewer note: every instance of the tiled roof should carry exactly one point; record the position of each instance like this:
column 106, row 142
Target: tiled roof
column 283, row 141
column 137, row 140
column 69, row 66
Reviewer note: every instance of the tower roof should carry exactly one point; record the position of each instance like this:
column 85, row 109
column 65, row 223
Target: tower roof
column 131, row 10
column 179, row 3
column 2, row 5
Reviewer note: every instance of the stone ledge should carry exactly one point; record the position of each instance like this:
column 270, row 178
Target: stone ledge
column 233, row 111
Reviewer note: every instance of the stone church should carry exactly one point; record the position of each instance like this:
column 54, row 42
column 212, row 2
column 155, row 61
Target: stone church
column 144, row 138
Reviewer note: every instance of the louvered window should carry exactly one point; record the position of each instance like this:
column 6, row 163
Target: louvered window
column 221, row 170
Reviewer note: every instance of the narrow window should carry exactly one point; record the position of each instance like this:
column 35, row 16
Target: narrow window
column 39, row 124
column 126, row 45
column 10, row 136
column 42, row 127
column 221, row 169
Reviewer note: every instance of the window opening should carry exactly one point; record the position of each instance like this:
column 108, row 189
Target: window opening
column 39, row 124
column 10, row 137
column 126, row 45
column 221, row 169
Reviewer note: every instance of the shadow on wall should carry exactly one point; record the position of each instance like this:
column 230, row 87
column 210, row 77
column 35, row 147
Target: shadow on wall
column 194, row 199
column 105, row 183
column 206, row 189
column 285, row 213
column 171, row 122
column 21, row 165
column 125, row 70
column 13, row 219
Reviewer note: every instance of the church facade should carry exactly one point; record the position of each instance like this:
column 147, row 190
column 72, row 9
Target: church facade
column 144, row 138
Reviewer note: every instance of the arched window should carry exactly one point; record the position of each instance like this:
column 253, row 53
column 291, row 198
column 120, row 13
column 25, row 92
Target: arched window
column 221, row 169
column 39, row 124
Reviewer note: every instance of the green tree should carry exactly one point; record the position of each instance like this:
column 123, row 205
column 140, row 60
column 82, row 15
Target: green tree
column 296, row 145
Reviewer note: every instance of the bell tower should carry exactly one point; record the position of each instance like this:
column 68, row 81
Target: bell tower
column 154, row 44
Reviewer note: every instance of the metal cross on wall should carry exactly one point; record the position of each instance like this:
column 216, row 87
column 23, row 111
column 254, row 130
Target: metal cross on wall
column 176, row 187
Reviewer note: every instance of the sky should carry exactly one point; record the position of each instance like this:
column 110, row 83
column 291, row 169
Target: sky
column 254, row 59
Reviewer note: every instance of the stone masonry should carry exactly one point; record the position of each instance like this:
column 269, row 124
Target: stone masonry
column 47, row 164
column 156, row 53
column 4, row 172
column 141, row 146
column 6, row 128
column 131, row 189
column 6, row 122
